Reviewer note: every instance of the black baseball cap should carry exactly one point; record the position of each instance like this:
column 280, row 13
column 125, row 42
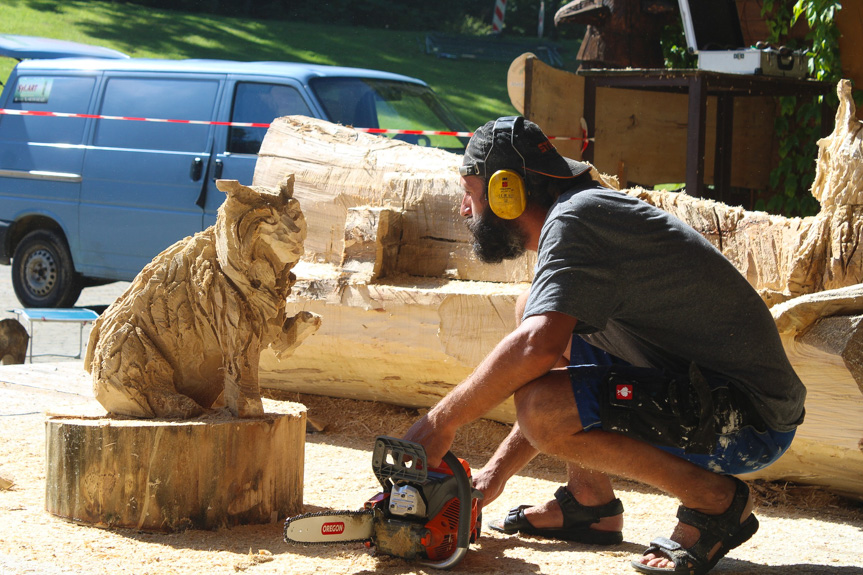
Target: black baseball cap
column 515, row 143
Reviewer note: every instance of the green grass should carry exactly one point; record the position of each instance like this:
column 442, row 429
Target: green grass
column 475, row 90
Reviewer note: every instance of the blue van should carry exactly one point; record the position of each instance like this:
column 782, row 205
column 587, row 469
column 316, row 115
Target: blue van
column 89, row 200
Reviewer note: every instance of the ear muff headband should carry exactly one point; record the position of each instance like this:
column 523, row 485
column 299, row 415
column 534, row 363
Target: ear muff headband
column 507, row 196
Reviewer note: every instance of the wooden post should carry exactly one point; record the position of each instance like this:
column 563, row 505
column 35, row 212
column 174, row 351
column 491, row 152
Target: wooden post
column 162, row 475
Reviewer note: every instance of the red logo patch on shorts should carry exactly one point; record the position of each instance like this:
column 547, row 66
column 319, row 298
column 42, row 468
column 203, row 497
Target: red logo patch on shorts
column 624, row 392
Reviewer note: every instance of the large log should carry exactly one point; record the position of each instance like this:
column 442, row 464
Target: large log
column 157, row 475
column 823, row 336
column 338, row 169
column 408, row 331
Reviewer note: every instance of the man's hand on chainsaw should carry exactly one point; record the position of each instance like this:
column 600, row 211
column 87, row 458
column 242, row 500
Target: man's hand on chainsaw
column 489, row 484
column 437, row 439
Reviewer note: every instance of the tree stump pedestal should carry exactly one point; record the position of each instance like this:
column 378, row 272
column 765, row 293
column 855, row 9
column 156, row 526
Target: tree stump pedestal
column 169, row 475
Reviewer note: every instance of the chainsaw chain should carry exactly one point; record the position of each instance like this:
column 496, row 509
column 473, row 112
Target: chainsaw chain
column 289, row 520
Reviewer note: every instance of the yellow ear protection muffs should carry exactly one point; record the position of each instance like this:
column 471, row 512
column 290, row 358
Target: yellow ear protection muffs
column 507, row 196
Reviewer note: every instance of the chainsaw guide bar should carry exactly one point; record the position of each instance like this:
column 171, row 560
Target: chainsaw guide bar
column 325, row 527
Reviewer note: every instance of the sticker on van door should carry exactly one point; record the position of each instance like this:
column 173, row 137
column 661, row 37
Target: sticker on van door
column 33, row 90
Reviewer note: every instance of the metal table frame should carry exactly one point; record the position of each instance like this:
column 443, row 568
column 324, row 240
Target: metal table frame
column 82, row 316
column 698, row 85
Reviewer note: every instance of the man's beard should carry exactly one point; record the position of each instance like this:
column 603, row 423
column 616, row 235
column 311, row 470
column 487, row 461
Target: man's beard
column 496, row 239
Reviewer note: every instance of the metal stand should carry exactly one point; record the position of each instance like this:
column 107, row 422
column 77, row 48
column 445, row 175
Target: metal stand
column 698, row 85
column 82, row 316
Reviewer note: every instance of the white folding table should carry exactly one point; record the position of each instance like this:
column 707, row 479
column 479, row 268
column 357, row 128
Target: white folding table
column 81, row 316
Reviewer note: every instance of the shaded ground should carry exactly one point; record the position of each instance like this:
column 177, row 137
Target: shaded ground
column 803, row 530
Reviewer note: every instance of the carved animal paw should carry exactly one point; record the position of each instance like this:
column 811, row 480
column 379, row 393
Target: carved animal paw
column 294, row 331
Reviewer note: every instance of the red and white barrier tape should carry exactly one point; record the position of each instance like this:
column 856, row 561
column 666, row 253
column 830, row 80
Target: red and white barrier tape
column 251, row 124
column 131, row 118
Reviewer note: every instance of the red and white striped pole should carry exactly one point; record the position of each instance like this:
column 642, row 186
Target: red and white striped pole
column 497, row 17
column 540, row 28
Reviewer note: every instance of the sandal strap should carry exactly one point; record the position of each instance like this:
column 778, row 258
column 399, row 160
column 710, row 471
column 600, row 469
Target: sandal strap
column 715, row 528
column 672, row 550
column 515, row 519
column 574, row 513
column 721, row 526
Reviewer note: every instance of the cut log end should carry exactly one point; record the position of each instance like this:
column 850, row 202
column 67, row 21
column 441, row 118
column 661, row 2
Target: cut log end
column 166, row 475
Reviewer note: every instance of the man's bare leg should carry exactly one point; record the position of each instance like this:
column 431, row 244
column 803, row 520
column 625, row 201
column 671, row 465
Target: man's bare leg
column 590, row 488
column 554, row 427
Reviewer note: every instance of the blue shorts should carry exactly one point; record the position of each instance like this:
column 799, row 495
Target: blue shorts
column 742, row 451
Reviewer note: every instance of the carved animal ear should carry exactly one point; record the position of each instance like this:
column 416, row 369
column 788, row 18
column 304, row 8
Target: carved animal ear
column 238, row 191
column 255, row 194
column 287, row 187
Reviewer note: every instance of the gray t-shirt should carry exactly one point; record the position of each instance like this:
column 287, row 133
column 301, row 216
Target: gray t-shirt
column 649, row 289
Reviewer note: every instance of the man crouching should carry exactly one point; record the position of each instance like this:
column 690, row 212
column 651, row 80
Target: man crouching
column 641, row 353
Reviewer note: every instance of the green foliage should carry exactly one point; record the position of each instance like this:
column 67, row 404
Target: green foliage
column 474, row 89
column 798, row 124
column 440, row 15
column 472, row 26
column 674, row 48
column 461, row 16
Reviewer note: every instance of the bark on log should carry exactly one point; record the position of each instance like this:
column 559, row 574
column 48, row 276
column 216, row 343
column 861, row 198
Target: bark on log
column 411, row 333
column 158, row 475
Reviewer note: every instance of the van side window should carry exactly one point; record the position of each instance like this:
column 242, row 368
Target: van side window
column 261, row 104
column 348, row 101
column 162, row 99
column 68, row 94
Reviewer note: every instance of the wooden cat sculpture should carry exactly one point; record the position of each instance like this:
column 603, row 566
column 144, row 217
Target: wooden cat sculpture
column 185, row 337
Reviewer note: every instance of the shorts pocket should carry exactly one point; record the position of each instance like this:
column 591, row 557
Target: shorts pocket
column 656, row 407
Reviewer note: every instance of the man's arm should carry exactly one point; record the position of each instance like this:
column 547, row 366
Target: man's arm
column 511, row 456
column 524, row 355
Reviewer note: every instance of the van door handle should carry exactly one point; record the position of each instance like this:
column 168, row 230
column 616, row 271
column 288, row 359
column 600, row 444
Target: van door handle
column 197, row 169
column 217, row 170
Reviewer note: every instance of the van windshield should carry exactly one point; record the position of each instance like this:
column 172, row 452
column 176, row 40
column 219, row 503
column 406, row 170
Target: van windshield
column 391, row 105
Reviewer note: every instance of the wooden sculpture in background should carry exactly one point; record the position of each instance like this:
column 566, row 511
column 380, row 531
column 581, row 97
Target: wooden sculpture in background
column 14, row 340
column 409, row 311
column 186, row 335
column 620, row 33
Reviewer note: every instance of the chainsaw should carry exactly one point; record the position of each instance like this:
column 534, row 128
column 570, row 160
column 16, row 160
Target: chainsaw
column 426, row 514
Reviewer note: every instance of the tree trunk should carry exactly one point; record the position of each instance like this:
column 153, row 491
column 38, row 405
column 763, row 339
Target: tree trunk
column 159, row 475
column 822, row 335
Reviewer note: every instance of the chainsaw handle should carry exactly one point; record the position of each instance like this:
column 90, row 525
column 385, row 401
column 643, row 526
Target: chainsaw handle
column 464, row 513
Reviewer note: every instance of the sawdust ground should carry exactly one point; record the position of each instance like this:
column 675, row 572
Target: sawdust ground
column 804, row 530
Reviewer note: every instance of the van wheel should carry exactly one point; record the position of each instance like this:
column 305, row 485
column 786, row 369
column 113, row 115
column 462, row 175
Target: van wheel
column 42, row 271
